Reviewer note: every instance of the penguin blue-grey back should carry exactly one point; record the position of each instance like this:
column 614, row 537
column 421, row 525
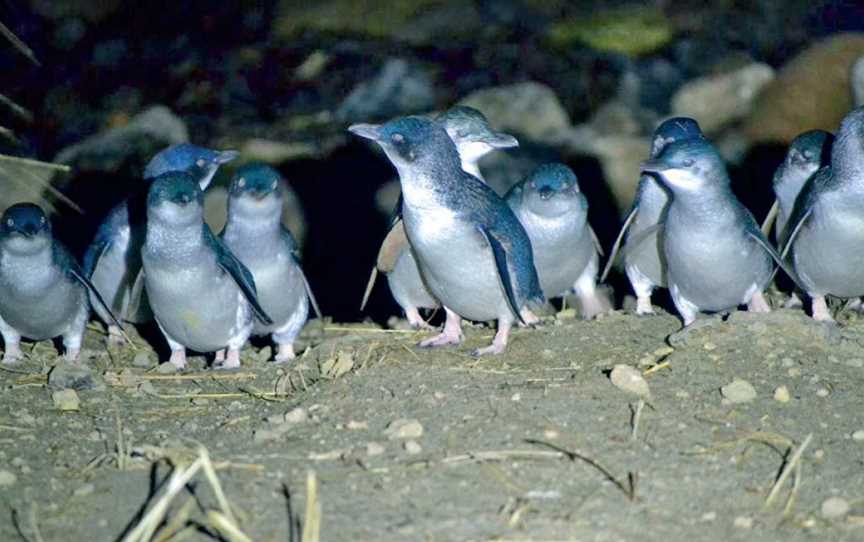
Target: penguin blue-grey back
column 255, row 234
column 473, row 253
column 554, row 213
column 202, row 296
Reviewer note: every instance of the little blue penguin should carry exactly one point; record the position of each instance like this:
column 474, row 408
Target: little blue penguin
column 202, row 296
column 255, row 234
column 808, row 153
column 644, row 263
column 113, row 259
column 469, row 129
column 473, row 253
column 43, row 292
column 716, row 256
column 554, row 213
column 826, row 229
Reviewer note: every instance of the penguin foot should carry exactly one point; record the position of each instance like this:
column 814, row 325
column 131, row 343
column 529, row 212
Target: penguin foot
column 499, row 343
column 794, row 302
column 285, row 353
column 71, row 354
column 12, row 355
column 643, row 306
column 596, row 304
column 220, row 356
column 529, row 318
column 415, row 320
column 446, row 338
column 231, row 361
column 115, row 337
column 758, row 303
column 821, row 313
column 178, row 359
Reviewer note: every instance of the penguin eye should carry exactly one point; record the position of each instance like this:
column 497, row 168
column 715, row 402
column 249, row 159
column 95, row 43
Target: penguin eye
column 687, row 162
column 242, row 182
column 42, row 220
column 200, row 162
column 10, row 222
column 273, row 186
column 398, row 138
column 808, row 155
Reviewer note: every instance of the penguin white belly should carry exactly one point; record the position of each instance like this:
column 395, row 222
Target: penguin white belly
column 281, row 290
column 457, row 263
column 407, row 285
column 200, row 307
column 829, row 254
column 560, row 260
column 42, row 311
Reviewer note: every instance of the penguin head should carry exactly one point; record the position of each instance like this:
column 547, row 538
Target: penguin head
column 176, row 199
column 256, row 189
column 551, row 190
column 199, row 162
column 675, row 129
column 411, row 142
column 809, row 151
column 470, row 131
column 688, row 167
column 25, row 228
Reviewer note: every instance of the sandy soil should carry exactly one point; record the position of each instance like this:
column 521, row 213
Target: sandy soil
column 536, row 444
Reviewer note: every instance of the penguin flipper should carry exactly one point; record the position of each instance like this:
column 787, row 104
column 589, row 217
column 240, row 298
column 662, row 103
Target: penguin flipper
column 763, row 242
column 771, row 218
column 795, row 230
column 311, row 296
column 613, row 255
column 596, row 240
column 239, row 272
column 369, row 285
column 500, row 256
column 137, row 299
column 391, row 248
column 641, row 237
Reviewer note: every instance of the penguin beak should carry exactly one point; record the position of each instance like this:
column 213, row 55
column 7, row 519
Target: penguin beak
column 368, row 131
column 183, row 199
column 654, row 166
column 223, row 157
column 546, row 193
column 502, row 141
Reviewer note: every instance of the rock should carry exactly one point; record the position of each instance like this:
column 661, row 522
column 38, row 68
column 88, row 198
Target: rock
column 620, row 158
column 338, row 366
column 374, row 448
column 718, row 100
column 781, row 394
column 835, row 508
column 822, row 392
column 72, row 376
column 744, row 522
column 7, row 479
column 404, row 429
column 412, row 447
column 143, row 359
column 810, row 91
column 296, row 415
column 66, row 400
column 355, row 425
column 738, row 391
column 631, row 30
column 166, row 368
column 858, row 436
column 528, row 109
column 399, row 88
column 277, row 152
column 84, row 490
column 142, row 137
column 628, row 379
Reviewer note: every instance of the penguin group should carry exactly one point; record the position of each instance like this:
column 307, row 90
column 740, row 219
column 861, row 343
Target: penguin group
column 454, row 243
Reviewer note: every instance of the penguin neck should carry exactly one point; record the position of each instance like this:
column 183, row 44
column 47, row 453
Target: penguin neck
column 259, row 229
column 709, row 206
column 472, row 167
column 424, row 185
column 173, row 242
column 846, row 157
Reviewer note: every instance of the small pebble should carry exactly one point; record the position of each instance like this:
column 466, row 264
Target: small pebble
column 355, row 425
column 709, row 346
column 628, row 379
column 781, row 394
column 835, row 508
column 412, row 447
column 83, row 491
column 516, row 397
column 404, row 429
column 297, row 415
column 143, row 359
column 550, row 434
column 709, row 516
column 7, row 479
column 858, row 436
column 374, row 448
column 738, row 391
column 822, row 392
column 66, row 400
column 166, row 368
column 744, row 522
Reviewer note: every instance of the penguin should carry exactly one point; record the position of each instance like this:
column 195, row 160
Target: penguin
column 43, row 291
column 202, row 296
column 554, row 213
column 716, row 256
column 469, row 129
column 112, row 260
column 255, row 234
column 825, row 240
column 643, row 257
column 474, row 255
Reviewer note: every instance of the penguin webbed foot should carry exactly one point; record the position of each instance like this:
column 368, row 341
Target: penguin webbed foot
column 229, row 362
column 499, row 343
column 178, row 359
column 284, row 354
column 644, row 306
column 12, row 355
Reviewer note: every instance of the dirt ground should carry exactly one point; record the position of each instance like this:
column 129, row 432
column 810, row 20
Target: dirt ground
column 536, row 444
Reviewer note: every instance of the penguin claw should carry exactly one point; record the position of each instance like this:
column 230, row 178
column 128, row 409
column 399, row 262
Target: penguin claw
column 442, row 339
